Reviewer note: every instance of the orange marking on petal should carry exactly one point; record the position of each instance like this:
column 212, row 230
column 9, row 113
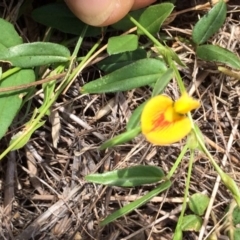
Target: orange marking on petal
column 160, row 122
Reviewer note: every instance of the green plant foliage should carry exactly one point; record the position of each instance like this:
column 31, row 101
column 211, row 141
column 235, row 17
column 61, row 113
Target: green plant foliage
column 120, row 60
column 137, row 203
column 135, row 117
column 128, row 68
column 210, row 23
column 191, row 223
column 236, row 216
column 192, row 141
column 218, row 54
column 58, row 15
column 121, row 138
column 168, row 53
column 159, row 87
column 162, row 82
column 9, row 36
column 198, row 203
column 154, row 16
column 122, row 43
column 3, row 48
column 10, row 102
column 21, row 138
column 128, row 177
column 178, row 234
column 175, row 57
column 29, row 55
column 125, row 24
column 236, row 234
column 232, row 221
column 137, row 74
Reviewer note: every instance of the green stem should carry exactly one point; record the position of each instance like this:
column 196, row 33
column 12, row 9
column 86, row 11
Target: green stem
column 68, row 78
column 178, row 76
column 178, row 231
column 80, row 67
column 51, row 101
column 9, row 72
column 145, row 31
column 163, row 50
column 226, row 179
column 177, row 162
column 137, row 203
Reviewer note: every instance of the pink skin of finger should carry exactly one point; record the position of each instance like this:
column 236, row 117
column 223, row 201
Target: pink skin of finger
column 104, row 12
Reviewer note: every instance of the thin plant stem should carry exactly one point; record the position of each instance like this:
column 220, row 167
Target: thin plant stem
column 226, row 179
column 40, row 114
column 74, row 55
column 178, row 76
column 9, row 72
column 178, row 231
column 144, row 30
column 163, row 50
column 82, row 64
column 177, row 162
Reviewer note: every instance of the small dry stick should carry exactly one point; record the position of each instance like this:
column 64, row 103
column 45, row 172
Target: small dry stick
column 24, row 86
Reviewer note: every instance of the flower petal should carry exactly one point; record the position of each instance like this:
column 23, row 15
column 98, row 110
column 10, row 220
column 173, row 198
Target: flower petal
column 153, row 112
column 161, row 125
column 172, row 133
column 186, row 104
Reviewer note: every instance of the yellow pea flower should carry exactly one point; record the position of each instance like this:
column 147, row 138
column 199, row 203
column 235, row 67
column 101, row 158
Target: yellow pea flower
column 164, row 121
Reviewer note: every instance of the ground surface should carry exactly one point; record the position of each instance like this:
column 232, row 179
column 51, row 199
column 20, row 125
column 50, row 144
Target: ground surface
column 43, row 191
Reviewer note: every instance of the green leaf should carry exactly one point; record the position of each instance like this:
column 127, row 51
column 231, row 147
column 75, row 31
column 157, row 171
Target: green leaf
column 59, row 16
column 159, row 87
column 236, row 216
column 122, row 138
column 136, row 204
column 236, row 233
column 198, row 203
column 232, row 219
column 21, row 138
column 154, row 16
column 210, row 23
column 120, row 60
column 128, row 177
column 134, row 120
column 218, row 54
column 137, row 74
column 9, row 36
column 121, row 44
column 3, row 48
column 125, row 24
column 10, row 102
column 29, row 55
column 162, row 82
column 191, row 223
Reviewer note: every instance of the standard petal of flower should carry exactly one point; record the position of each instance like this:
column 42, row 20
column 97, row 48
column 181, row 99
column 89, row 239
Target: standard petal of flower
column 153, row 112
column 185, row 104
column 161, row 125
column 171, row 134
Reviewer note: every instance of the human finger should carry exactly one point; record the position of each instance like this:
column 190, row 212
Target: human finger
column 100, row 12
